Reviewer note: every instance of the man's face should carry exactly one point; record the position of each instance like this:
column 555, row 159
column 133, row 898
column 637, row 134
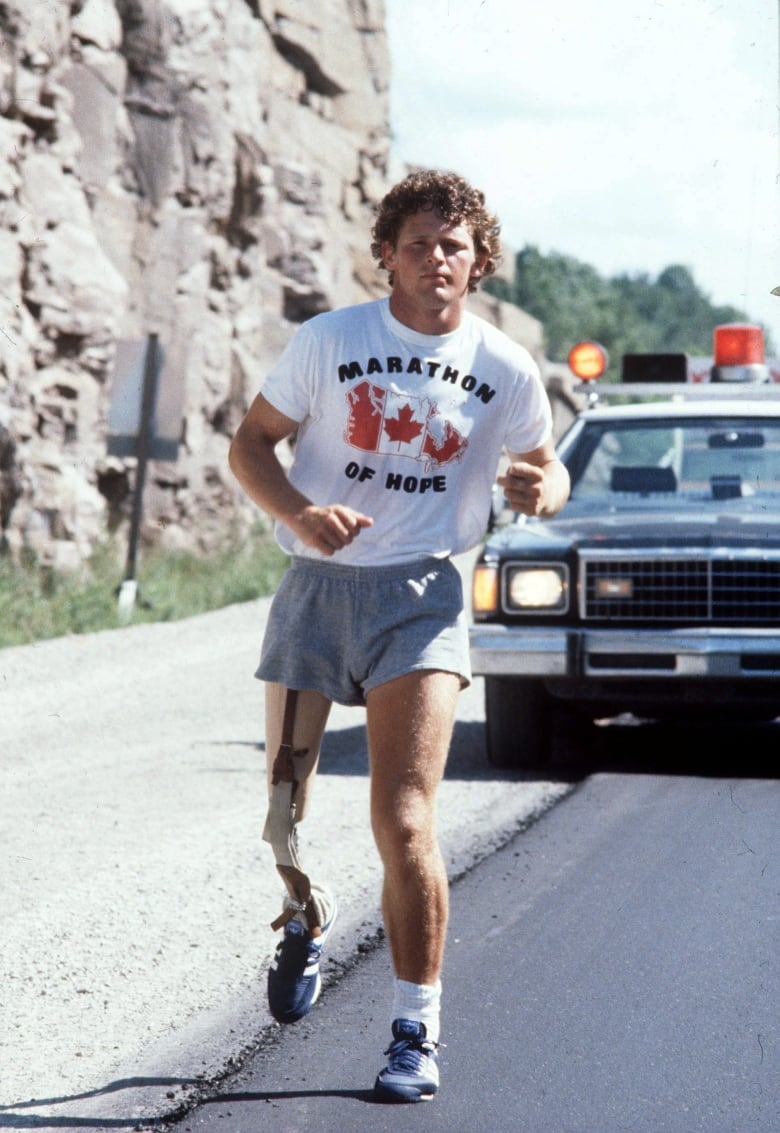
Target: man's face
column 432, row 264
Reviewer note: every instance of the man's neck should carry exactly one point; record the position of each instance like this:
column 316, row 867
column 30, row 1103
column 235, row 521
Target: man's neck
column 425, row 320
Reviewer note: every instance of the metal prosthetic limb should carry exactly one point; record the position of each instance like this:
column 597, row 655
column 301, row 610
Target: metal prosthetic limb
column 287, row 797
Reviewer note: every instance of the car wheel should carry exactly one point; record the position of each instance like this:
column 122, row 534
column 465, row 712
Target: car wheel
column 518, row 723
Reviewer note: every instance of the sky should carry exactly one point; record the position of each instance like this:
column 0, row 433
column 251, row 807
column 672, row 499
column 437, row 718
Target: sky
column 630, row 134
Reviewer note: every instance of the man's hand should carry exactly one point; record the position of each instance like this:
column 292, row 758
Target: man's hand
column 536, row 483
column 524, row 488
column 257, row 468
column 328, row 529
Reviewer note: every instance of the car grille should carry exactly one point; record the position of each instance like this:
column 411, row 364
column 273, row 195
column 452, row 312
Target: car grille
column 701, row 591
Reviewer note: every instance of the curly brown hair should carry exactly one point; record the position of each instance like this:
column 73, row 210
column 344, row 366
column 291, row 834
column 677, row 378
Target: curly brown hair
column 445, row 193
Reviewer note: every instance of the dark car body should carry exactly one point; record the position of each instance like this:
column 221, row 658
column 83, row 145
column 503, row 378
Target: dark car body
column 655, row 591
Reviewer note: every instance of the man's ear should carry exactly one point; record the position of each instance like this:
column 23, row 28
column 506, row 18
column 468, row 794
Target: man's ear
column 478, row 270
column 388, row 254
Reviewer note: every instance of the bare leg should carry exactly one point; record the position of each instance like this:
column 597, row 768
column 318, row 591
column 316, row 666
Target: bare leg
column 410, row 724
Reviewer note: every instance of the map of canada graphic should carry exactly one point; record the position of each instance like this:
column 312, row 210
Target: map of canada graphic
column 397, row 424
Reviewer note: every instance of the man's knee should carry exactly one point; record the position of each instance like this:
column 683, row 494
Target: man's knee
column 405, row 831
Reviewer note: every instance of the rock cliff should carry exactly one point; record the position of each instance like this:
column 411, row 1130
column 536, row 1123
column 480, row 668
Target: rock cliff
column 202, row 170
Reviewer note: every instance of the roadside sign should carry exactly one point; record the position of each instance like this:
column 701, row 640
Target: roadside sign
column 126, row 405
column 144, row 421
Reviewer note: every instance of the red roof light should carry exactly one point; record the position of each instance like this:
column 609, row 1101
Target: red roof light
column 738, row 344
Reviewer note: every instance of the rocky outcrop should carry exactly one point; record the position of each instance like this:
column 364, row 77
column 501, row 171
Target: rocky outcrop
column 203, row 170
column 200, row 169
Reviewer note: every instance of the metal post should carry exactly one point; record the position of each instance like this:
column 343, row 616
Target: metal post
column 128, row 589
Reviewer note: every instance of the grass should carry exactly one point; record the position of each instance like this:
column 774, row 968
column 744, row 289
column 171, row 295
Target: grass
column 37, row 602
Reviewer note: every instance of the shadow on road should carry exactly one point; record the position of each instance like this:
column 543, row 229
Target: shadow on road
column 714, row 749
column 705, row 747
column 17, row 1116
column 711, row 749
column 344, row 752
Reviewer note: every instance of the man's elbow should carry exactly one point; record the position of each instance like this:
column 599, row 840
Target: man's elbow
column 235, row 456
column 232, row 456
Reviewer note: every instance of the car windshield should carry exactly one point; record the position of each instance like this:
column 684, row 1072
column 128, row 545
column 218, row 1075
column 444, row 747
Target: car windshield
column 676, row 463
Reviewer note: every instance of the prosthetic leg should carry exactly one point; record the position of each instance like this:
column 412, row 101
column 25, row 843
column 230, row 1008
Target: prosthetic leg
column 291, row 776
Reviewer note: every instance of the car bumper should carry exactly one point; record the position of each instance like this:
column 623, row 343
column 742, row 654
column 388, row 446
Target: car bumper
column 498, row 650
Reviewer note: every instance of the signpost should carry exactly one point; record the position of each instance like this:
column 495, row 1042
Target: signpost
column 144, row 421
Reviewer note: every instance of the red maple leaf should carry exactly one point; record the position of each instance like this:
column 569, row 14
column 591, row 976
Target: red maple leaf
column 452, row 446
column 403, row 428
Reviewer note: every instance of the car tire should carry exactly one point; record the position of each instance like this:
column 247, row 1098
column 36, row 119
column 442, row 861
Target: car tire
column 518, row 723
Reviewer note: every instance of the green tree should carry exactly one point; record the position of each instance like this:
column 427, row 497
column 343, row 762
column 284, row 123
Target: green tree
column 561, row 291
column 624, row 313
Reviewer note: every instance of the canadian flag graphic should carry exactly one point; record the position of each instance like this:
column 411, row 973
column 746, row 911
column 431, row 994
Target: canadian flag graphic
column 394, row 424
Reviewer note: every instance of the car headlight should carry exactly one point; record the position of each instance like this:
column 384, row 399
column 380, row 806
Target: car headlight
column 538, row 588
column 484, row 590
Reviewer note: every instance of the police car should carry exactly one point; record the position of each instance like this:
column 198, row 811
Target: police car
column 656, row 590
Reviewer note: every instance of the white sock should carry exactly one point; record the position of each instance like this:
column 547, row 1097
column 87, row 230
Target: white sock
column 420, row 1003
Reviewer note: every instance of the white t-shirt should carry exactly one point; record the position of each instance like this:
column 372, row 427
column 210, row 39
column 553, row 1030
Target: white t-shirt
column 405, row 427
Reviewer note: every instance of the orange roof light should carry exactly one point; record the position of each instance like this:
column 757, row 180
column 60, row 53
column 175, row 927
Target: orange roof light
column 738, row 344
column 588, row 360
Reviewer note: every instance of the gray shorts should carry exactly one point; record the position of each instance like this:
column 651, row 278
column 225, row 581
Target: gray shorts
column 344, row 630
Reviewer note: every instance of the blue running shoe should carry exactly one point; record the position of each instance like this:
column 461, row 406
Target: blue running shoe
column 294, row 980
column 412, row 1071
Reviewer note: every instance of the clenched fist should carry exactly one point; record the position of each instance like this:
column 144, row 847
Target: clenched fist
column 524, row 487
column 331, row 528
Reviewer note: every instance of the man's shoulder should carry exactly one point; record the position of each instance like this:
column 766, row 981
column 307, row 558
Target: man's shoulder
column 499, row 343
column 329, row 322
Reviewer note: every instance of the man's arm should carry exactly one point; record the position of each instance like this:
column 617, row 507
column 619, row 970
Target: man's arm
column 257, row 468
column 536, row 483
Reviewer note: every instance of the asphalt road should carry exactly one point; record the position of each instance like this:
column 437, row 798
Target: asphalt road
column 613, row 968
column 137, row 894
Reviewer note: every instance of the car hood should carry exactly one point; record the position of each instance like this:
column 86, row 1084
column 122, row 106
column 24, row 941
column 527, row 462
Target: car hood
column 637, row 530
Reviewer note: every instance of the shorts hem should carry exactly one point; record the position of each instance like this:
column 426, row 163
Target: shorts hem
column 421, row 667
column 352, row 702
column 300, row 684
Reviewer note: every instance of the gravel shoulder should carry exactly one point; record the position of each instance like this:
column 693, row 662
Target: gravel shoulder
column 136, row 889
